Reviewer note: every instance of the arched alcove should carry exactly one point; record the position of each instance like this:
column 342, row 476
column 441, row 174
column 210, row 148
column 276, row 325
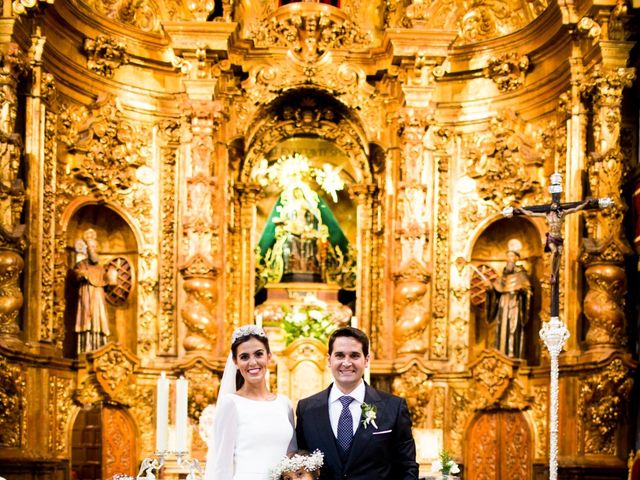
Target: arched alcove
column 312, row 113
column 314, row 123
column 489, row 258
column 117, row 252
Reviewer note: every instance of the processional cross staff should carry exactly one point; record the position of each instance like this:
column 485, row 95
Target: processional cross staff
column 554, row 333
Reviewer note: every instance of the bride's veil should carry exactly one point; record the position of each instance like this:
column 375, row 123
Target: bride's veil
column 227, row 386
column 228, row 382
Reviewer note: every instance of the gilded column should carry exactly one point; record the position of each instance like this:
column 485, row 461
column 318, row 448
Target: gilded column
column 606, row 247
column 570, row 163
column 12, row 194
column 247, row 195
column 363, row 194
column 170, row 135
column 200, row 232
column 198, row 47
column 415, row 218
column 39, row 321
column 441, row 139
column 412, row 277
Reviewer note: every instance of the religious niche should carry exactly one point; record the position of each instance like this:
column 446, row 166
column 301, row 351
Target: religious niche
column 305, row 259
column 506, row 264
column 100, row 286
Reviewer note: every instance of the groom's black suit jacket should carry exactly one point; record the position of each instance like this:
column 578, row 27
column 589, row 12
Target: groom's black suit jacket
column 385, row 453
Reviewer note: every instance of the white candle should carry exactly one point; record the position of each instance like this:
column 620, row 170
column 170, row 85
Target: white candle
column 162, row 413
column 182, row 389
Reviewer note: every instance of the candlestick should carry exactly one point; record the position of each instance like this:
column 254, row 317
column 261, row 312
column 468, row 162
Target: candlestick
column 182, row 389
column 162, row 413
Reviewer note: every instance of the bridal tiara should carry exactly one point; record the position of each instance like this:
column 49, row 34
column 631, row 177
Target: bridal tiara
column 247, row 330
column 310, row 462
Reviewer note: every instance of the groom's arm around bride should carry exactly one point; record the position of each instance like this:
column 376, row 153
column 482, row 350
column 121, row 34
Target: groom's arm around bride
column 365, row 434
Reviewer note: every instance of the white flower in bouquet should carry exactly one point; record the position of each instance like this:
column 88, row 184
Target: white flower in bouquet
column 445, row 464
column 436, row 466
column 299, row 317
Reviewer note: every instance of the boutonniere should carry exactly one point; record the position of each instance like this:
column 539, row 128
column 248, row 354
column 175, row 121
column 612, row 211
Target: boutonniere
column 369, row 413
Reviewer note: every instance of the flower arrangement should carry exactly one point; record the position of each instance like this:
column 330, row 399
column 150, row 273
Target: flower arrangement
column 369, row 415
column 309, row 320
column 297, row 169
column 445, row 464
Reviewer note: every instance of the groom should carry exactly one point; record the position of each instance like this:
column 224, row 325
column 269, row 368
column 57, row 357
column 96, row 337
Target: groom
column 364, row 434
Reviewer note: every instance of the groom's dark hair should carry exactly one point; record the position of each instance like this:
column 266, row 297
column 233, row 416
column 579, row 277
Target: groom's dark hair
column 352, row 332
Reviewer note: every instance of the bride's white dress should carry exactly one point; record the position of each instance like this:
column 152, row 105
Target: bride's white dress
column 249, row 438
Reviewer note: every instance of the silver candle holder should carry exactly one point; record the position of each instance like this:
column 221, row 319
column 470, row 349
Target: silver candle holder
column 151, row 466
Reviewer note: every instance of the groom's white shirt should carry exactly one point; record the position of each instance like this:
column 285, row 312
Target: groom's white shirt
column 335, row 407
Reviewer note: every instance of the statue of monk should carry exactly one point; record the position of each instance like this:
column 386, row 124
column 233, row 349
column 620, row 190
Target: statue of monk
column 92, row 319
column 509, row 304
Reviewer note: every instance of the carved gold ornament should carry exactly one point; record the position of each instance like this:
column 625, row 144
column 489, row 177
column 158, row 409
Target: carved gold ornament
column 61, row 389
column 105, row 149
column 12, row 403
column 418, row 13
column 27, row 7
column 105, row 55
column 203, row 387
column 114, row 369
column 492, row 375
column 11, row 298
column 501, row 161
column 415, row 386
column 412, row 312
column 604, row 305
column 198, row 312
column 539, row 409
column 309, row 33
column 507, row 71
column 140, row 15
column 602, row 404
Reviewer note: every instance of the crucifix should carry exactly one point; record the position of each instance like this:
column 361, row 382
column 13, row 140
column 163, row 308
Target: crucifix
column 554, row 332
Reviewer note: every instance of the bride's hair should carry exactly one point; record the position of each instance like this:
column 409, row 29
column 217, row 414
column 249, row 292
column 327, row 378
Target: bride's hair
column 256, row 333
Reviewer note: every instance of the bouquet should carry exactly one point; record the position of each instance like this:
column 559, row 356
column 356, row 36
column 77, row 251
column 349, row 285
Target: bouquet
column 445, row 464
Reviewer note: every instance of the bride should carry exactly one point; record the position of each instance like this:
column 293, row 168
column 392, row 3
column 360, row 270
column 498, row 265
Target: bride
column 253, row 428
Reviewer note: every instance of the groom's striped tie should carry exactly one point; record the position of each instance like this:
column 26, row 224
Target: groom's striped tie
column 345, row 424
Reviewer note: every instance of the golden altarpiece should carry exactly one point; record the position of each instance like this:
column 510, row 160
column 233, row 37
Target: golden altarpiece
column 143, row 137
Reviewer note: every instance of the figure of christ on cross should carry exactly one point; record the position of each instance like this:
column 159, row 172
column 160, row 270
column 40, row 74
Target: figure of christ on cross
column 555, row 213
